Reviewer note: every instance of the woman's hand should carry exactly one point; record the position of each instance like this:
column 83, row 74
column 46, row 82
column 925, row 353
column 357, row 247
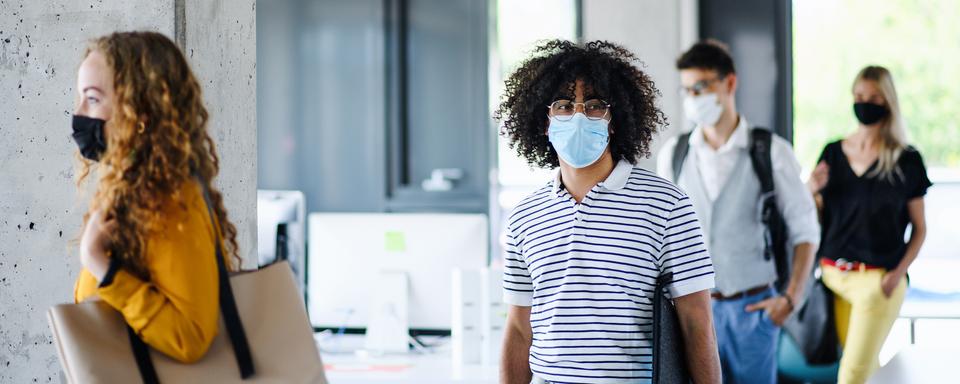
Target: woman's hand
column 819, row 178
column 95, row 243
column 890, row 281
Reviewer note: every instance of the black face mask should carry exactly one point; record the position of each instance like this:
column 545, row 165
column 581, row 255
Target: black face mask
column 88, row 133
column 869, row 113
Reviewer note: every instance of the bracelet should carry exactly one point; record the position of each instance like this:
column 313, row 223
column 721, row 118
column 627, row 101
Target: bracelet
column 789, row 301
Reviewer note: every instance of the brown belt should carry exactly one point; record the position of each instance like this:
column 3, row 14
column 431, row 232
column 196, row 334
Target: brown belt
column 740, row 295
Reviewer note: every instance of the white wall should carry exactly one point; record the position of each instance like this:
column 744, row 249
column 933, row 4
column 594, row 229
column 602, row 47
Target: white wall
column 657, row 32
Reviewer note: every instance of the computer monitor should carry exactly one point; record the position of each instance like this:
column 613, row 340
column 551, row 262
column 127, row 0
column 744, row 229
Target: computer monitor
column 348, row 252
column 281, row 230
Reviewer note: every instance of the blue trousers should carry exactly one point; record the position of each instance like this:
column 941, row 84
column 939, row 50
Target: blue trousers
column 747, row 341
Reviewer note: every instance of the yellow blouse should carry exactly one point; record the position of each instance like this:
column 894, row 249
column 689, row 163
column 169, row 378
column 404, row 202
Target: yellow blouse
column 177, row 311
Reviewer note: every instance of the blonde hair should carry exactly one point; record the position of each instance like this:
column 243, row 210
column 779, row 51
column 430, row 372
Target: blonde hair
column 893, row 133
column 158, row 143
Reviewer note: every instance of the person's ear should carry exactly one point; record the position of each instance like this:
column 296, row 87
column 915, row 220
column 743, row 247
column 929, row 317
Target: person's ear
column 731, row 81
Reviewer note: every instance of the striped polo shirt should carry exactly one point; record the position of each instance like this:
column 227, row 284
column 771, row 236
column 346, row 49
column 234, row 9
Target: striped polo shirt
column 588, row 271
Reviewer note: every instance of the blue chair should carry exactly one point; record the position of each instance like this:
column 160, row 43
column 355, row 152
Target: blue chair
column 793, row 368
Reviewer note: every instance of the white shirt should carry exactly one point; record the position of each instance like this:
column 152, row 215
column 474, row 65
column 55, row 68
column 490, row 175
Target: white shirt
column 715, row 165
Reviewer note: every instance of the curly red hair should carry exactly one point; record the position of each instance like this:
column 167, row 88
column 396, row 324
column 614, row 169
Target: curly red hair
column 158, row 141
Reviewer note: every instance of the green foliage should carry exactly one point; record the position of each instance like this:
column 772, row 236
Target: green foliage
column 917, row 40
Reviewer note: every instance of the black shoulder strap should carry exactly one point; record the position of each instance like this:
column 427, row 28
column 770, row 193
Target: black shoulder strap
column 141, row 353
column 228, row 307
column 760, row 143
column 680, row 154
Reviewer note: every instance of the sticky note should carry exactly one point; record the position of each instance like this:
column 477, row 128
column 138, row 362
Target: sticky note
column 395, row 241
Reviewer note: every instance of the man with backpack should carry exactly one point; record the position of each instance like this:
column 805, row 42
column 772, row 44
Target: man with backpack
column 746, row 189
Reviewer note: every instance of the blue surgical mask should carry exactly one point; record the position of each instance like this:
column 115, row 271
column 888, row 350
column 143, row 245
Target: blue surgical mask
column 579, row 141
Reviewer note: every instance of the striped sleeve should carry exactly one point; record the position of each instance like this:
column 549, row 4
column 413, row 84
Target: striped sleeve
column 683, row 253
column 517, row 286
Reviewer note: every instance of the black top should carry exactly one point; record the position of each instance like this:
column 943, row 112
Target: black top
column 865, row 218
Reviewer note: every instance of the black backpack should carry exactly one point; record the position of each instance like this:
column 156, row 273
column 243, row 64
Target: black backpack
column 775, row 232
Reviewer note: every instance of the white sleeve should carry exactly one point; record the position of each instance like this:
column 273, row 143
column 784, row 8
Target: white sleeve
column 683, row 252
column 793, row 198
column 665, row 159
column 517, row 285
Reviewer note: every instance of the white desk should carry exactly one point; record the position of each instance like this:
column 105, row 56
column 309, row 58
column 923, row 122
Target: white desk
column 362, row 368
column 914, row 310
column 919, row 365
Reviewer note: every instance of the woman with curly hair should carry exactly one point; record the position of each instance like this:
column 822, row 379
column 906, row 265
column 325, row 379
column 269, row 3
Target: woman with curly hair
column 584, row 252
column 147, row 238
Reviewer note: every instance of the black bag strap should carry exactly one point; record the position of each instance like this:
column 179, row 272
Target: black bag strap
column 760, row 143
column 228, row 308
column 680, row 154
column 228, row 305
column 141, row 353
column 761, row 140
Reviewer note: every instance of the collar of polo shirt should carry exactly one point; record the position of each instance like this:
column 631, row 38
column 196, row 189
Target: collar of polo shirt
column 617, row 179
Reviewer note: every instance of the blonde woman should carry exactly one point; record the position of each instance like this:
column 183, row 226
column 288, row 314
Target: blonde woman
column 148, row 240
column 869, row 187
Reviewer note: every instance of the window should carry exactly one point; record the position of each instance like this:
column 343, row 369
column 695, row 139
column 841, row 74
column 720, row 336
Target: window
column 520, row 25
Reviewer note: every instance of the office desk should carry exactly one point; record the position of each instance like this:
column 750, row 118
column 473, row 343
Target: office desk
column 919, row 365
column 350, row 365
column 918, row 309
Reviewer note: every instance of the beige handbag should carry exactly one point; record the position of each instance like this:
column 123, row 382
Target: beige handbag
column 273, row 344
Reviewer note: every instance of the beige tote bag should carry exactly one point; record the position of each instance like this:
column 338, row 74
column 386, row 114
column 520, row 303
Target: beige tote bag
column 271, row 341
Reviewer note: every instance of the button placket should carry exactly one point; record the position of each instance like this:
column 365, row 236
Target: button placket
column 577, row 219
column 582, row 209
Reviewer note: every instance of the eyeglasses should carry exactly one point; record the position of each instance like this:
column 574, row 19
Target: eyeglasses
column 698, row 88
column 594, row 109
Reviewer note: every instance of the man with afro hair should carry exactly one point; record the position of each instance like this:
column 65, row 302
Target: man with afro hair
column 584, row 252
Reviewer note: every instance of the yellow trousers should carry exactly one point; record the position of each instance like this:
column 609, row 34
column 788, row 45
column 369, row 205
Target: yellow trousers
column 864, row 317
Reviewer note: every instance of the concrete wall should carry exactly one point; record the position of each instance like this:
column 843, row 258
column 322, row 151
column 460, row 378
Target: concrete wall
column 221, row 45
column 40, row 210
column 657, row 32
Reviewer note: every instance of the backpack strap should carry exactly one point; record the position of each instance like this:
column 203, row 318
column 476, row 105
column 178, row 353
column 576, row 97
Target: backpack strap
column 680, row 154
column 760, row 143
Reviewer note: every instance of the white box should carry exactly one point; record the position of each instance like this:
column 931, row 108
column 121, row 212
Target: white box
column 466, row 321
column 494, row 314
